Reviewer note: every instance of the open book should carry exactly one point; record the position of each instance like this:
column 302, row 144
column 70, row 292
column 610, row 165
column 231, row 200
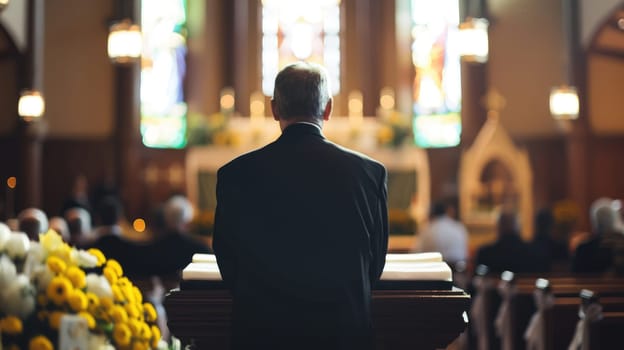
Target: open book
column 399, row 267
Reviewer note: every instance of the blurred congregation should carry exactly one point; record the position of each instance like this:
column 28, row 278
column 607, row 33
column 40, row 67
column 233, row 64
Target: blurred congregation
column 120, row 150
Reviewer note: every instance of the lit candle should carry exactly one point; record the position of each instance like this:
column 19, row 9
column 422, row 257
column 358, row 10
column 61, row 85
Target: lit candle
column 356, row 107
column 227, row 101
column 256, row 110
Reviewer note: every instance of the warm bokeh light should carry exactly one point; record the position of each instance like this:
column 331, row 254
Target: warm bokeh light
column 256, row 104
column 227, row 100
column 12, row 182
column 31, row 105
column 138, row 225
column 125, row 42
column 386, row 98
column 3, row 4
column 473, row 40
column 564, row 102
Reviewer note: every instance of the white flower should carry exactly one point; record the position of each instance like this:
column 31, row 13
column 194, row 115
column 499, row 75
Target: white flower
column 5, row 233
column 17, row 246
column 99, row 285
column 19, row 298
column 35, row 257
column 83, row 258
column 41, row 276
column 8, row 271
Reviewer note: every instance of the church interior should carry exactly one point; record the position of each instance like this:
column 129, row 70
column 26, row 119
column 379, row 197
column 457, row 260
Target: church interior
column 474, row 124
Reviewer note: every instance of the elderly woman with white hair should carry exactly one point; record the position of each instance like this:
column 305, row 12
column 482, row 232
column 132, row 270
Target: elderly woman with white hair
column 604, row 250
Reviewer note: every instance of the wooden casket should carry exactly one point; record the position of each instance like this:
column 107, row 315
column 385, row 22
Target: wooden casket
column 421, row 313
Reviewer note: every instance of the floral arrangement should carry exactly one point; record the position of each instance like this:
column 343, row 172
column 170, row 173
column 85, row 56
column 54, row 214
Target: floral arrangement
column 395, row 128
column 42, row 283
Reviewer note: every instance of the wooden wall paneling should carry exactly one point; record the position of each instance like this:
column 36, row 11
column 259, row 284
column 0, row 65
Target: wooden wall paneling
column 63, row 160
column 606, row 168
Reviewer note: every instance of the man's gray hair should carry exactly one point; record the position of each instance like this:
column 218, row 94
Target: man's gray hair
column 301, row 90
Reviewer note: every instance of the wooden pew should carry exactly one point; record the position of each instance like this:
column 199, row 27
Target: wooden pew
column 560, row 320
column 516, row 293
column 603, row 329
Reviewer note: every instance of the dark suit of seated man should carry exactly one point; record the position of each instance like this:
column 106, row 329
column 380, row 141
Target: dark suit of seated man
column 301, row 229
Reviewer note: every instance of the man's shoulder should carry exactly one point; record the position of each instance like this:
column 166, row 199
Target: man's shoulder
column 357, row 155
column 240, row 161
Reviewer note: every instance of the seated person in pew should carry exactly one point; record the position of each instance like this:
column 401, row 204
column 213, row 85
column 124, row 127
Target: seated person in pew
column 444, row 234
column 604, row 250
column 173, row 241
column 509, row 251
column 301, row 229
column 553, row 252
column 32, row 221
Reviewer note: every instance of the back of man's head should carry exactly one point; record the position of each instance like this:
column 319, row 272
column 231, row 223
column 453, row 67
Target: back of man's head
column 301, row 91
column 438, row 210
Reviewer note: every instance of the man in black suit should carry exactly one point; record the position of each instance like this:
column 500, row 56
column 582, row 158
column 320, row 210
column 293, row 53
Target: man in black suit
column 301, row 229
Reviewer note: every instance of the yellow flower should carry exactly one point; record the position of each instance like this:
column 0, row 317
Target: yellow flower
column 133, row 311
column 106, row 302
column 113, row 264
column 11, row 325
column 77, row 300
column 118, row 295
column 50, row 240
column 140, row 345
column 90, row 320
column 124, row 282
column 134, row 325
column 58, row 289
column 99, row 255
column 137, row 294
column 56, row 264
column 156, row 335
column 119, row 314
column 77, row 276
column 150, row 312
column 40, row 342
column 121, row 334
column 93, row 301
column 146, row 331
column 54, row 319
column 111, row 275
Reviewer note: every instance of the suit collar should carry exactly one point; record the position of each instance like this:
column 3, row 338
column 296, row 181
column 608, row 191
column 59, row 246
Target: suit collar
column 300, row 129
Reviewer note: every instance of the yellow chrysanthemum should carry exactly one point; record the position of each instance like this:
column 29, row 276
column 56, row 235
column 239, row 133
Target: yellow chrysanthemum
column 156, row 335
column 138, row 297
column 124, row 282
column 111, row 275
column 56, row 264
column 134, row 325
column 113, row 264
column 106, row 302
column 119, row 314
column 132, row 310
column 40, row 342
column 11, row 325
column 140, row 345
column 58, row 289
column 93, row 301
column 77, row 276
column 77, row 300
column 54, row 319
column 90, row 320
column 122, row 334
column 118, row 295
column 64, row 252
column 146, row 331
column 150, row 312
column 101, row 259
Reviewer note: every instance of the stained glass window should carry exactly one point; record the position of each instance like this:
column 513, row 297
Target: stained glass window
column 300, row 30
column 163, row 66
column 437, row 83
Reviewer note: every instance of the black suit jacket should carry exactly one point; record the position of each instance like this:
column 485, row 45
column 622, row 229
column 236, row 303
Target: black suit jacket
column 300, row 237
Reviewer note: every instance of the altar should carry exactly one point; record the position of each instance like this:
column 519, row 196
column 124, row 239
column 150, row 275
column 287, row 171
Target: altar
column 407, row 165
